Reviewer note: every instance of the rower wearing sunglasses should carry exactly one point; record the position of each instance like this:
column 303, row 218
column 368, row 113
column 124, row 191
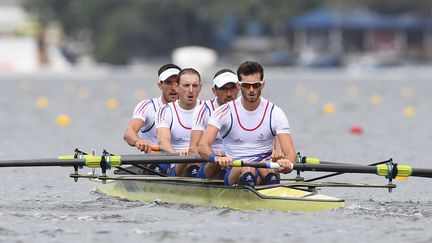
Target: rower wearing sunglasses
column 249, row 127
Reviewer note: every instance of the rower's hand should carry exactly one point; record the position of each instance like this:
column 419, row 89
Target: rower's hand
column 286, row 166
column 222, row 153
column 223, row 161
column 143, row 145
column 184, row 152
column 277, row 154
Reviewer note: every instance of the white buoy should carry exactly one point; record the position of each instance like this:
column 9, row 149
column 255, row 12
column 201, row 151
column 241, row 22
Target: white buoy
column 197, row 57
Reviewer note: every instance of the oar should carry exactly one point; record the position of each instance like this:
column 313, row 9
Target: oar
column 317, row 161
column 94, row 161
column 389, row 170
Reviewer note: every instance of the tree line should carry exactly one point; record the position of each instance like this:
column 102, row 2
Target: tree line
column 121, row 30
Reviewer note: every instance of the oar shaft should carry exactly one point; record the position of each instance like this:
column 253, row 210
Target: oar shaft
column 341, row 168
column 42, row 162
column 388, row 170
column 381, row 170
column 339, row 173
column 421, row 172
column 312, row 167
column 116, row 161
column 94, row 161
column 151, row 154
column 160, row 159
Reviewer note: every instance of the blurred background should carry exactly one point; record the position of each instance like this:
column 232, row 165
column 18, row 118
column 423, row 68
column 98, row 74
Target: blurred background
column 353, row 77
column 344, row 72
column 63, row 34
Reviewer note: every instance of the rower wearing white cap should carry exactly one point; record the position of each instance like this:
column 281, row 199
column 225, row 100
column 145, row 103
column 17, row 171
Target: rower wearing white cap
column 174, row 120
column 225, row 89
column 141, row 130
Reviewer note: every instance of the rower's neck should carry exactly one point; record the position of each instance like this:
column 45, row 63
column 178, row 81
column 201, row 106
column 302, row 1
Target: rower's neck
column 164, row 101
column 250, row 106
column 219, row 101
column 186, row 106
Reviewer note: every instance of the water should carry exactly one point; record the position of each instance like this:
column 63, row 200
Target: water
column 44, row 205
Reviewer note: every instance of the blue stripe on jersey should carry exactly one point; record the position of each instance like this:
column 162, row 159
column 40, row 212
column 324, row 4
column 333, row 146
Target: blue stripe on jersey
column 154, row 107
column 271, row 113
column 229, row 130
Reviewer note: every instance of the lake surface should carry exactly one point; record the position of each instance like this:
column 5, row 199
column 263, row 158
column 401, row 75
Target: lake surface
column 390, row 105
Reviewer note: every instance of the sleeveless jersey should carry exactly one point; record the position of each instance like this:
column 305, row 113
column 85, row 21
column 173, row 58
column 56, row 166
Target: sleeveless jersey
column 201, row 116
column 146, row 110
column 178, row 121
column 249, row 135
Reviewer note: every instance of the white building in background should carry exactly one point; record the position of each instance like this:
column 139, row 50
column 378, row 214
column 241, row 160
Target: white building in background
column 23, row 48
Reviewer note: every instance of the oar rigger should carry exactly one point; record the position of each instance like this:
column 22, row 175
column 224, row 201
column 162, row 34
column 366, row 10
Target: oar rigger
column 392, row 171
column 105, row 161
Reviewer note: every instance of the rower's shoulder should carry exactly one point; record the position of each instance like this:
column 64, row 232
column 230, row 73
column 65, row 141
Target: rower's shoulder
column 153, row 101
column 144, row 105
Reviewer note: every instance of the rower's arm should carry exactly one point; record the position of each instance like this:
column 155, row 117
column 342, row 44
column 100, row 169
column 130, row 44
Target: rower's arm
column 277, row 150
column 194, row 141
column 208, row 138
column 131, row 132
column 164, row 139
column 287, row 146
column 277, row 145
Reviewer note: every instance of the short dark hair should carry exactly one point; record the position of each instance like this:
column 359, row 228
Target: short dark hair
column 188, row 70
column 167, row 66
column 248, row 68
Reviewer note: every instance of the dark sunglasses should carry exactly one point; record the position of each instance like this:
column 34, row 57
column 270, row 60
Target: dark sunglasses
column 255, row 85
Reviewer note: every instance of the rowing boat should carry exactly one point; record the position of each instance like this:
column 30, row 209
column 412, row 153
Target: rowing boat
column 205, row 192
column 295, row 194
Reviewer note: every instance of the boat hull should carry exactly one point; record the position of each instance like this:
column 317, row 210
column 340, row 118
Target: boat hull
column 204, row 192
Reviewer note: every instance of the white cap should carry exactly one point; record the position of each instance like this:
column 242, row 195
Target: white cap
column 168, row 73
column 224, row 78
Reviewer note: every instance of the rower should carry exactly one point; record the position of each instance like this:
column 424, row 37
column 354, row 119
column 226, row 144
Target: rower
column 141, row 131
column 225, row 89
column 248, row 126
column 174, row 121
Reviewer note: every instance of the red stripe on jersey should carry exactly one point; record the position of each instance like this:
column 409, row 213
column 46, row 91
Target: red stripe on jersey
column 143, row 107
column 251, row 129
column 221, row 111
column 178, row 118
column 201, row 114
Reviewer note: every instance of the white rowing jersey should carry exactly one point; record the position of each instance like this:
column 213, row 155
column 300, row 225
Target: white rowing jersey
column 178, row 121
column 146, row 110
column 201, row 116
column 249, row 135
